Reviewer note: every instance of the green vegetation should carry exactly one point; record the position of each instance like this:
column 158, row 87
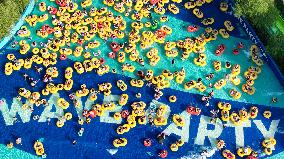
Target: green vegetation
column 10, row 11
column 265, row 16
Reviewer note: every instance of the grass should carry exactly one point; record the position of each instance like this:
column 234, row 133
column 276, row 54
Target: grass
column 10, row 11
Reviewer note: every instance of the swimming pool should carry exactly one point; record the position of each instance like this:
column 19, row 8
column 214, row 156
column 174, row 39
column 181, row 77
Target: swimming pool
column 266, row 87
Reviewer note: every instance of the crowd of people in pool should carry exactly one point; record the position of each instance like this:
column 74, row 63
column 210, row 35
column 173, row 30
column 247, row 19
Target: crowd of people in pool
column 77, row 24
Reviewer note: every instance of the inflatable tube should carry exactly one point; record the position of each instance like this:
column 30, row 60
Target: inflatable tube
column 178, row 120
column 227, row 154
column 220, row 49
column 193, row 110
column 147, row 142
column 192, row 28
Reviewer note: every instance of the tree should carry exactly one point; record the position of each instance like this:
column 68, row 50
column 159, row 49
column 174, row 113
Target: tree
column 266, row 19
column 251, row 8
column 275, row 48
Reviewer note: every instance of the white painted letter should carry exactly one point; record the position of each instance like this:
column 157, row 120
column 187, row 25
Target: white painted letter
column 239, row 132
column 16, row 108
column 263, row 130
column 211, row 134
column 184, row 131
column 105, row 117
column 47, row 110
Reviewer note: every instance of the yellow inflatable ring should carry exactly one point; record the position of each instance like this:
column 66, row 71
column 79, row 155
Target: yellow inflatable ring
column 68, row 116
column 174, row 147
column 59, row 123
column 178, row 120
column 267, row 114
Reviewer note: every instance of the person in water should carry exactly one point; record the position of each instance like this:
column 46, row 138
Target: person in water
column 161, row 137
column 274, row 100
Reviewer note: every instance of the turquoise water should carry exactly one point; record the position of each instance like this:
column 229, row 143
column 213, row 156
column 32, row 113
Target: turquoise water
column 14, row 153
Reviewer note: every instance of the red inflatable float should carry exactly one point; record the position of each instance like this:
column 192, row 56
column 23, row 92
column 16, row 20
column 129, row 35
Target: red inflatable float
column 61, row 3
column 147, row 142
column 220, row 49
column 100, row 25
column 235, row 51
column 240, row 45
column 193, row 110
column 81, row 41
column 47, row 28
column 153, row 2
column 252, row 157
column 160, row 33
column 124, row 113
column 163, row 154
column 63, row 57
column 192, row 28
column 52, row 10
column 92, row 113
column 102, row 61
column 114, row 47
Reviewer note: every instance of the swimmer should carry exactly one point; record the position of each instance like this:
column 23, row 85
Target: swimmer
column 214, row 113
column 38, row 69
column 227, row 76
column 211, row 94
column 198, row 83
column 210, row 85
column 228, row 64
column 47, row 78
column 27, row 77
column 161, row 137
column 210, row 76
column 207, row 103
column 34, row 44
column 220, row 144
column 19, row 141
column 199, row 80
column 140, row 74
column 149, row 84
column 74, row 142
column 140, row 61
column 173, row 61
column 15, row 120
column 44, row 102
column 128, row 11
column 138, row 95
column 81, row 131
column 19, row 98
column 113, row 70
column 240, row 45
column 274, row 100
column 35, row 117
column 97, row 54
column 34, row 82
column 121, row 45
column 1, row 102
column 48, row 121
